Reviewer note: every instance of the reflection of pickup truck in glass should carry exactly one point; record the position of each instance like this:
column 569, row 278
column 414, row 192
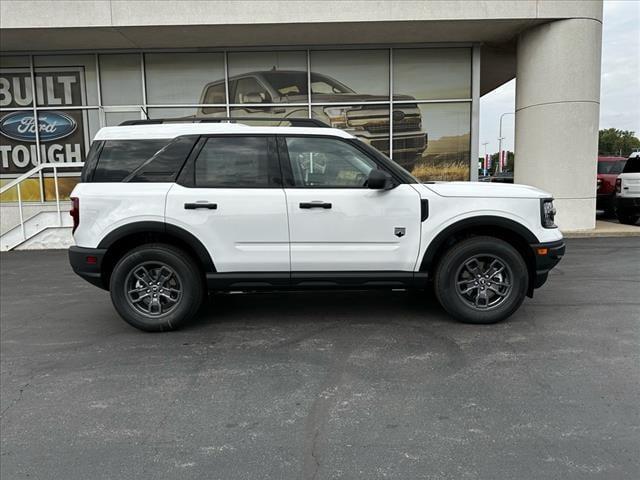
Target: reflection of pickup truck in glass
column 289, row 87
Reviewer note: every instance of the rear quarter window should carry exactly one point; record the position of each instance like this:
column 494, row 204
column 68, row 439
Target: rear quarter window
column 119, row 158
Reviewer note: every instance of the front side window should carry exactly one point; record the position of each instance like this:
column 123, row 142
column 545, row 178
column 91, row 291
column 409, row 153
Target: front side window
column 233, row 162
column 327, row 163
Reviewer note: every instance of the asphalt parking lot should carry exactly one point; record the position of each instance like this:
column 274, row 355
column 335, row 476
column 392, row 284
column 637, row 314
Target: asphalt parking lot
column 324, row 385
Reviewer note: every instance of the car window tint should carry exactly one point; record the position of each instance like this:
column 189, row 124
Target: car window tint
column 326, row 163
column 166, row 163
column 119, row 158
column 233, row 162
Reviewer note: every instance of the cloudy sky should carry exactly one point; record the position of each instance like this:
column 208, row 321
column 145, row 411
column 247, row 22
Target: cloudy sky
column 620, row 87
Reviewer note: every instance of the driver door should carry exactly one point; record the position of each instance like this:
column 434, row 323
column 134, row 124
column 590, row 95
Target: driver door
column 336, row 223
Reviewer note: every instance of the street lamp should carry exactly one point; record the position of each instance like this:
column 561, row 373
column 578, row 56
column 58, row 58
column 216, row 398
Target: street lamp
column 500, row 138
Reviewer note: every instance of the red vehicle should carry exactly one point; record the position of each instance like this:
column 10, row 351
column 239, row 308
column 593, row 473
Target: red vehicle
column 608, row 170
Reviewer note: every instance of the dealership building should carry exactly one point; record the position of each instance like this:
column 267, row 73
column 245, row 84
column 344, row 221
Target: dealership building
column 405, row 76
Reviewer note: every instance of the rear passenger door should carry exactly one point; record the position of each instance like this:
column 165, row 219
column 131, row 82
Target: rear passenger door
column 229, row 195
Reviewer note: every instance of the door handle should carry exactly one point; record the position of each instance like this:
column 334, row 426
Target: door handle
column 196, row 205
column 324, row 205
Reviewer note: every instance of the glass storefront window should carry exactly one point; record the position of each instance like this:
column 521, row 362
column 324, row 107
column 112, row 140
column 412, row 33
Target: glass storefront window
column 115, row 118
column 370, row 123
column 431, row 73
column 121, row 79
column 349, row 76
column 182, row 78
column 350, row 90
column 15, row 82
column 441, row 150
column 66, row 80
column 268, row 77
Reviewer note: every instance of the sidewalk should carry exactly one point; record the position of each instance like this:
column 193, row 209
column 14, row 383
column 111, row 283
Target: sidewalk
column 605, row 229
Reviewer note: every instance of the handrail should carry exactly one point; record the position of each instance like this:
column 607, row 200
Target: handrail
column 37, row 169
column 25, row 176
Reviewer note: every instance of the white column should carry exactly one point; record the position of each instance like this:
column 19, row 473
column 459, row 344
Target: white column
column 557, row 115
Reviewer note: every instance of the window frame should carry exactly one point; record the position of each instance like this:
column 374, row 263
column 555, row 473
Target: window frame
column 287, row 169
column 187, row 177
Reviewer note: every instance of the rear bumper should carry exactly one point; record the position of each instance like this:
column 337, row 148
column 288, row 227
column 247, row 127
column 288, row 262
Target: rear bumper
column 87, row 263
column 546, row 255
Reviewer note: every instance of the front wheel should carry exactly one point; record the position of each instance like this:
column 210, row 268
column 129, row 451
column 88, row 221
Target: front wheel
column 156, row 287
column 481, row 280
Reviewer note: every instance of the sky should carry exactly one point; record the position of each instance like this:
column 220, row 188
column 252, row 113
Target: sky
column 620, row 80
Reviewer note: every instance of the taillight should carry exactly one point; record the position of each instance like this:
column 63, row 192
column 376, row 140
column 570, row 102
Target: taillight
column 618, row 185
column 599, row 183
column 75, row 212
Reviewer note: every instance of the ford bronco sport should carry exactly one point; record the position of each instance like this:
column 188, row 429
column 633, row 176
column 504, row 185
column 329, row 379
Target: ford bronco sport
column 167, row 211
column 368, row 122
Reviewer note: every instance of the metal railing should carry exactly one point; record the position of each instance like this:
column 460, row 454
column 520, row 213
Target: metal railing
column 36, row 170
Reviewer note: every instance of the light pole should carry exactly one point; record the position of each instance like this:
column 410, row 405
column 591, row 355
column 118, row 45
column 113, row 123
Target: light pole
column 500, row 138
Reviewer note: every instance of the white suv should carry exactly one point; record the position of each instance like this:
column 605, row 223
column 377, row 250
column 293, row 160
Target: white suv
column 167, row 211
column 628, row 191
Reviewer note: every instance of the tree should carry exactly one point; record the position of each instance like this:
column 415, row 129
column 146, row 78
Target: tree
column 612, row 141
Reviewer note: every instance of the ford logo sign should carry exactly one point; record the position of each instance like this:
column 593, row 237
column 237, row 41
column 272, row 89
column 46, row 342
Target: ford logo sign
column 52, row 126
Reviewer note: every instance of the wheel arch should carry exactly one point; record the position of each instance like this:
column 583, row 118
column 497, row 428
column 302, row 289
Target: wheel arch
column 514, row 233
column 131, row 235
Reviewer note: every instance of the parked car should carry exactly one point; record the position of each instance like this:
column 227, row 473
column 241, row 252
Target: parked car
column 283, row 87
column 628, row 191
column 608, row 170
column 168, row 211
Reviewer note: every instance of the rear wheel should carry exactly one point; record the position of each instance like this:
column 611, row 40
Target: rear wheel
column 481, row 280
column 156, row 287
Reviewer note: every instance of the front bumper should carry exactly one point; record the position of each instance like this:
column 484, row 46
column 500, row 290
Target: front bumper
column 546, row 255
column 87, row 263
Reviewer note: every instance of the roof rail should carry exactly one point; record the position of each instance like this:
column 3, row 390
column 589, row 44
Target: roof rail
column 294, row 122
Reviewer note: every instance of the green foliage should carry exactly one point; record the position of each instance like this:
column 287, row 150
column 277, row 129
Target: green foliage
column 612, row 141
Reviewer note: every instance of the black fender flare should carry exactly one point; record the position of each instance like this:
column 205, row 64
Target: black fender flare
column 196, row 246
column 475, row 223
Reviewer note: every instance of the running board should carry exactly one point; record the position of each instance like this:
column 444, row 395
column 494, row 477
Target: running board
column 316, row 280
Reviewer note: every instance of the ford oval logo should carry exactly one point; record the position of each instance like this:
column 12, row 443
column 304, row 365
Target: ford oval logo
column 52, row 126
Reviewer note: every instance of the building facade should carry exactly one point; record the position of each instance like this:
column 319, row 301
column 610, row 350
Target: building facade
column 405, row 76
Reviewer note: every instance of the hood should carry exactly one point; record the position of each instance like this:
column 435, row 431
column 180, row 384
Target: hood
column 486, row 190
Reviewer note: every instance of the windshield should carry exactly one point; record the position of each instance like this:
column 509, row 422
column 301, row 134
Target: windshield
column 612, row 168
column 295, row 83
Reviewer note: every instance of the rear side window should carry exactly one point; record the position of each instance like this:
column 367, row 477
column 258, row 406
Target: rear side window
column 119, row 158
column 632, row 166
column 165, row 165
column 234, row 162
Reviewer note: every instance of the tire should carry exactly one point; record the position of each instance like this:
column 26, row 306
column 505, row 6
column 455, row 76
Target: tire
column 458, row 288
column 627, row 218
column 165, row 284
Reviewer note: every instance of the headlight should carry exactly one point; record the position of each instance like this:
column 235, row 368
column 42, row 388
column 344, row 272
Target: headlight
column 548, row 213
column 337, row 116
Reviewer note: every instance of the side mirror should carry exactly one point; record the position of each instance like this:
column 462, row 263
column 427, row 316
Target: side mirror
column 380, row 180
